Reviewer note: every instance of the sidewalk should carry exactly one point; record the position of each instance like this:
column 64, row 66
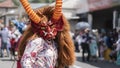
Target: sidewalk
column 7, row 63
column 92, row 64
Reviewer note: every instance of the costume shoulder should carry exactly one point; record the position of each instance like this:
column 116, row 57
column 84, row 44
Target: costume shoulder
column 34, row 44
column 36, row 41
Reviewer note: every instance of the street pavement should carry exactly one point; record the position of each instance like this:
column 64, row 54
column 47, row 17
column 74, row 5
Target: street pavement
column 7, row 63
column 92, row 64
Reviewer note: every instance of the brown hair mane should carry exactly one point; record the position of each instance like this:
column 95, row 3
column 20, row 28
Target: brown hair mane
column 66, row 54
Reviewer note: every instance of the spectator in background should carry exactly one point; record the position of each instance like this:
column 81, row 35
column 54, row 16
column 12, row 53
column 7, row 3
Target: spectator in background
column 85, row 45
column 76, row 39
column 102, row 46
column 109, row 44
column 93, row 48
column 118, row 52
column 4, row 37
column 15, row 35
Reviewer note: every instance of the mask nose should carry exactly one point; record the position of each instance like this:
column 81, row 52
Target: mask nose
column 48, row 29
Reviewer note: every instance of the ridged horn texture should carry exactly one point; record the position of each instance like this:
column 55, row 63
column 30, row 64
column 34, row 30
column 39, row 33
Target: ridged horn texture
column 33, row 16
column 58, row 10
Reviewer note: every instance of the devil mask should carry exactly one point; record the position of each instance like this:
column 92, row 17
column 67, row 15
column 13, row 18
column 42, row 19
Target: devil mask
column 44, row 26
column 48, row 30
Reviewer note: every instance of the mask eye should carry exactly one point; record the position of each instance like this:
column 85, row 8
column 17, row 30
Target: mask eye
column 43, row 28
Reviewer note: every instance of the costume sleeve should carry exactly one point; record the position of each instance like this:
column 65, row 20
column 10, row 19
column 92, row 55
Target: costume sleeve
column 30, row 54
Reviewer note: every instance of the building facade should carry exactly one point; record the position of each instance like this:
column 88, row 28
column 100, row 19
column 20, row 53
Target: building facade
column 7, row 11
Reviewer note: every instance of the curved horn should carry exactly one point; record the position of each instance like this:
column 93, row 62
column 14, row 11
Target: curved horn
column 33, row 16
column 58, row 10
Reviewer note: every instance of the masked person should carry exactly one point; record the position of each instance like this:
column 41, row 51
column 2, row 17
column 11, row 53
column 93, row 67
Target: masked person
column 46, row 43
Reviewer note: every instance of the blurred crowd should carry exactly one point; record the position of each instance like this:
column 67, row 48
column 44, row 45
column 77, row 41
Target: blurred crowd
column 104, row 45
column 9, row 38
column 98, row 45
